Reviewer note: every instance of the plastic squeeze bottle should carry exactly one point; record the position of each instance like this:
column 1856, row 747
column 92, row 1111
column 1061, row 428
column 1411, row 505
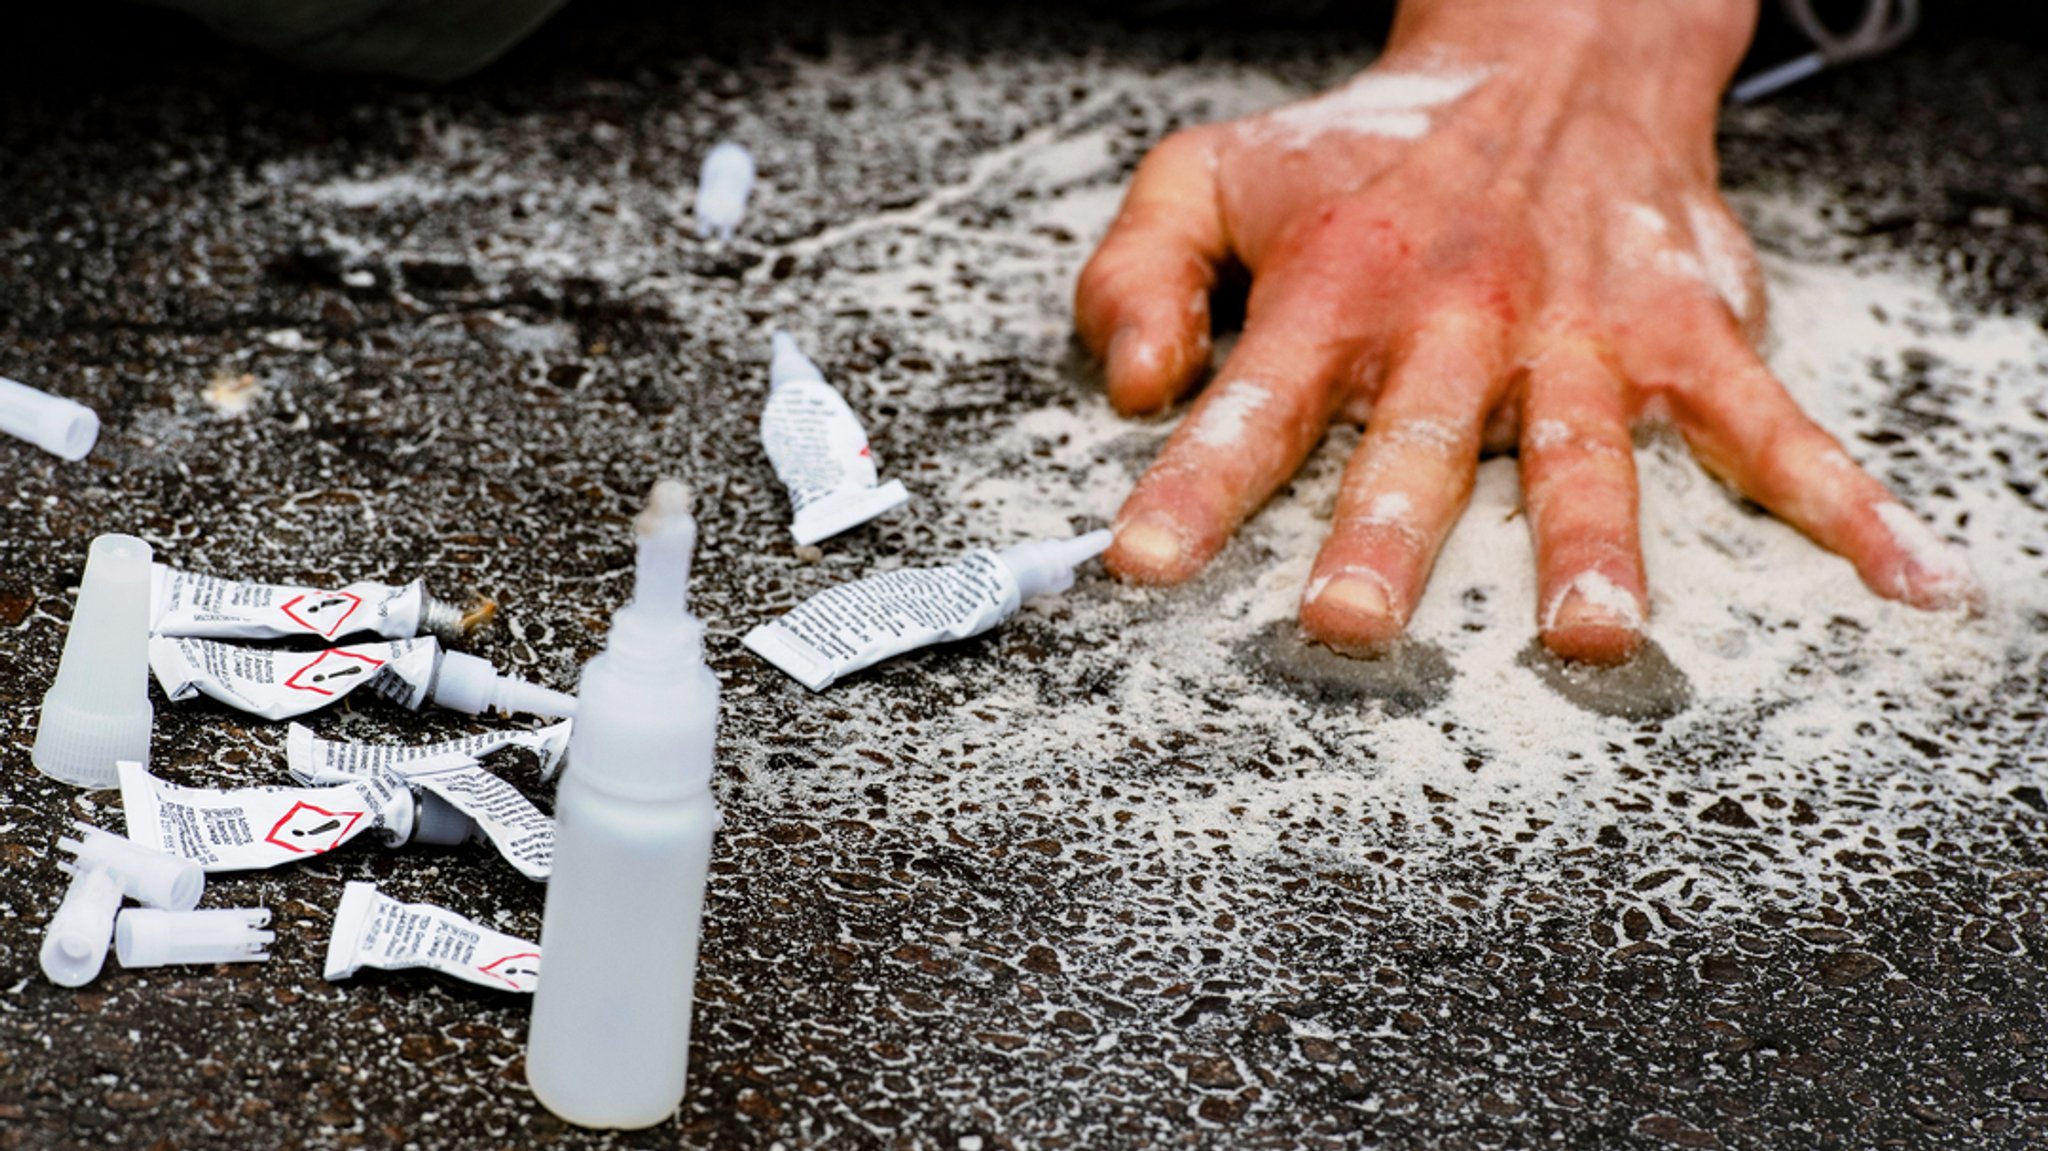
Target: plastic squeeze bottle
column 610, row 1040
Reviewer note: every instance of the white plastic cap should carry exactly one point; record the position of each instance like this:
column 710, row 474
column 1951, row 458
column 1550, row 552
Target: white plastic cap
column 469, row 684
column 97, row 713
column 723, row 185
column 75, row 943
column 437, row 822
column 59, row 426
column 146, row 875
column 144, row 937
column 786, row 361
column 1047, row 566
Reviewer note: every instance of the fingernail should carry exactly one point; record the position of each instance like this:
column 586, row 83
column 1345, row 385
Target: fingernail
column 1936, row 573
column 1592, row 600
column 1152, row 547
column 1360, row 593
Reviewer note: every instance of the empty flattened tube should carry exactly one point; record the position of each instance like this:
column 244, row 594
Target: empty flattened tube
column 147, row 937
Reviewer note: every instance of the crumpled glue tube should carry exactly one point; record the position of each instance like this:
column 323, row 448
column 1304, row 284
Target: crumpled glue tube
column 844, row 629
column 183, row 603
column 275, row 684
column 373, row 930
column 246, row 828
column 521, row 832
column 819, row 450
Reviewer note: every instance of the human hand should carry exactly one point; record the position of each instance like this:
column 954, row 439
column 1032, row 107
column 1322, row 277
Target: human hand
column 1506, row 233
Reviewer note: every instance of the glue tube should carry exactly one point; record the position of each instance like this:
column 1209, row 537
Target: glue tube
column 372, row 929
column 819, row 450
column 478, row 801
column 844, row 629
column 183, row 603
column 275, row 684
column 245, row 828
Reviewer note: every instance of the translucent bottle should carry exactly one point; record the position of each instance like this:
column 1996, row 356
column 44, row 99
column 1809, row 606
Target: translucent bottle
column 610, row 1040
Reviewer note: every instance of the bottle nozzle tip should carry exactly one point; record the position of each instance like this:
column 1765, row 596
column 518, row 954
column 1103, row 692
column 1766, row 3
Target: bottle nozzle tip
column 668, row 506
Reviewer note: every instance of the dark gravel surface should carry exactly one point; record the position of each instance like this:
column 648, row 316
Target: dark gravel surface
column 977, row 899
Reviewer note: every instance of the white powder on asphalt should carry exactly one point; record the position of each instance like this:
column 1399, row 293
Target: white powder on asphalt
column 1807, row 691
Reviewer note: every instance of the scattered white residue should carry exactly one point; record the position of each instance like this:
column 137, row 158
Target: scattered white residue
column 1394, row 104
column 1784, row 649
column 1944, row 567
column 1221, row 421
column 1593, row 588
column 232, row 393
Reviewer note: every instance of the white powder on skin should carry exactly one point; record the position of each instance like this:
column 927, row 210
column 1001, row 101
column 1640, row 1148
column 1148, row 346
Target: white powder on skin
column 1389, row 508
column 1593, row 588
column 1723, row 256
column 1222, row 420
column 1945, row 568
column 1646, row 219
column 1391, row 104
column 1544, row 435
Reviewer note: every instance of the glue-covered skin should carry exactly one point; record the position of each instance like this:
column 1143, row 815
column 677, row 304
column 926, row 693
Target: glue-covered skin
column 1506, row 234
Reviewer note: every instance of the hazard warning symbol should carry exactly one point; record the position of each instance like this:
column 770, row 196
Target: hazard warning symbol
column 311, row 830
column 322, row 613
column 333, row 671
column 519, row 972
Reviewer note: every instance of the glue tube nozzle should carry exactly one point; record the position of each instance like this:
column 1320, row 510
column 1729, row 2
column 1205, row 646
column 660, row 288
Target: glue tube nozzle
column 787, row 362
column 1044, row 567
column 666, row 534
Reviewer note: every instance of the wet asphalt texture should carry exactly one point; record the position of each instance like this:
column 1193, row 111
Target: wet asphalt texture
column 491, row 423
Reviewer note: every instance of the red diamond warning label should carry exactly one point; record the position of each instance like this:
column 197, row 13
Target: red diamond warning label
column 333, row 671
column 520, row 972
column 311, row 830
column 322, row 613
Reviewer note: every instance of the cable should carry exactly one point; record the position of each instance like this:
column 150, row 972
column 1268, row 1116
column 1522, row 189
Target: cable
column 1884, row 26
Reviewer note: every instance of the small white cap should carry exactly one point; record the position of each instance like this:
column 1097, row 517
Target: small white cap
column 469, row 684
column 146, row 875
column 438, row 822
column 723, row 185
column 1047, row 566
column 97, row 713
column 59, row 426
column 145, row 937
column 75, row 943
